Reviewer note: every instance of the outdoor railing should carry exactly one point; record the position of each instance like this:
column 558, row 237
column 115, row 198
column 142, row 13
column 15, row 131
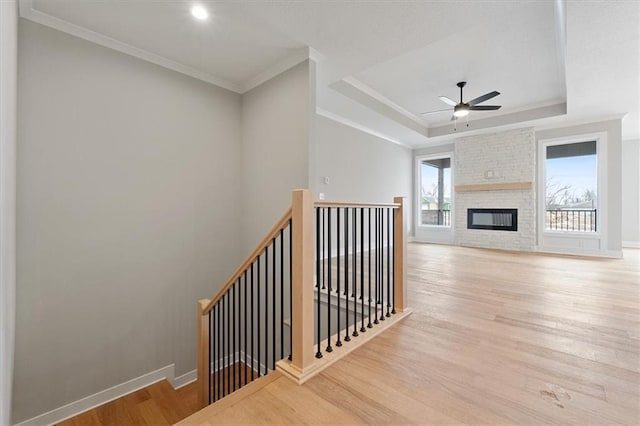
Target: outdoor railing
column 436, row 217
column 571, row 220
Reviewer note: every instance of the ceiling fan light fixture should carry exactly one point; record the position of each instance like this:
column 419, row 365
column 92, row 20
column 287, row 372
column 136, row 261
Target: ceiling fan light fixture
column 199, row 12
column 461, row 111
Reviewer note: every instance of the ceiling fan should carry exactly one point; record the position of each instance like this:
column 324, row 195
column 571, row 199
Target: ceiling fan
column 462, row 109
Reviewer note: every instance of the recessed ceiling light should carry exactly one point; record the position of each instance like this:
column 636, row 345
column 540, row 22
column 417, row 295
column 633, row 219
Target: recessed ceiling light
column 199, row 12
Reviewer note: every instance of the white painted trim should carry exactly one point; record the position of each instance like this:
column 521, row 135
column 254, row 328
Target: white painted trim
column 602, row 205
column 419, row 229
column 28, row 12
column 578, row 122
column 289, row 62
column 631, row 244
column 383, row 99
column 579, row 252
column 342, row 120
column 74, row 408
column 183, row 379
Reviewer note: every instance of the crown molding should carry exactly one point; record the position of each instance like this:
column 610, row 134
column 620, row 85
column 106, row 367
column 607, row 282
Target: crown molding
column 342, row 120
column 28, row 12
column 369, row 97
column 298, row 56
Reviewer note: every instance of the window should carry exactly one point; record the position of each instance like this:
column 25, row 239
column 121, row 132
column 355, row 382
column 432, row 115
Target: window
column 435, row 191
column 571, row 187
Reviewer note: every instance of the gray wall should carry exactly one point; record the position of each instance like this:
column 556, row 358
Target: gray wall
column 360, row 166
column 613, row 129
column 276, row 119
column 631, row 192
column 128, row 184
column 8, row 97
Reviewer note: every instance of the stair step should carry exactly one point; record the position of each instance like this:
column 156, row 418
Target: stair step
column 231, row 399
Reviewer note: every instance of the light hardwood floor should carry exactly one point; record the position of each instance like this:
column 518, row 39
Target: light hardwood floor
column 157, row 404
column 495, row 338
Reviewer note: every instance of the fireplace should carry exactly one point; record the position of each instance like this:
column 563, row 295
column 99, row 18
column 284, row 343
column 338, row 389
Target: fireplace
column 493, row 219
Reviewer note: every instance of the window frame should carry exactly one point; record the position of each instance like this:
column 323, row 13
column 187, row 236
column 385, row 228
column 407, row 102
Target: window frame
column 418, row 191
column 601, row 182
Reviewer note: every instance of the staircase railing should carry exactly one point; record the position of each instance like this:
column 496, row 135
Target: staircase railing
column 328, row 272
column 241, row 330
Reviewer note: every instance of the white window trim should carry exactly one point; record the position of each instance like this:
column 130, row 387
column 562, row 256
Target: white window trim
column 418, row 193
column 601, row 169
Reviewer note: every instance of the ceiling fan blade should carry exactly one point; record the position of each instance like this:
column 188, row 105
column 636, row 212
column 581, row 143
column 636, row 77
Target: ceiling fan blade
column 447, row 101
column 435, row 112
column 483, row 98
column 453, row 118
column 484, row 107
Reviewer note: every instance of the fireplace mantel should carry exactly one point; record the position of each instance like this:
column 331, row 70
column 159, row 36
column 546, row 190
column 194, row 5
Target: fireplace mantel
column 498, row 186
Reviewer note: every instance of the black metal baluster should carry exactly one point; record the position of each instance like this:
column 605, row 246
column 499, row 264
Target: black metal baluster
column 338, row 294
column 245, row 328
column 369, row 325
column 393, row 274
column 209, row 390
column 346, row 272
column 273, row 307
column 253, row 334
column 328, row 261
column 388, row 265
column 355, row 266
column 258, row 276
column 377, row 267
column 233, row 337
column 266, row 310
column 381, row 260
column 214, row 348
column 326, row 236
column 282, row 293
column 321, row 248
column 223, row 345
column 362, row 328
column 227, row 312
column 219, row 350
column 318, row 269
column 290, row 289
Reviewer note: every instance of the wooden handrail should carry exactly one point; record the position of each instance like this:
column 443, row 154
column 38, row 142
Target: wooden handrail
column 284, row 220
column 351, row 204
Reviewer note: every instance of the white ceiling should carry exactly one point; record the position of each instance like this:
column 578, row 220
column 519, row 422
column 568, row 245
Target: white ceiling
column 516, row 56
column 382, row 63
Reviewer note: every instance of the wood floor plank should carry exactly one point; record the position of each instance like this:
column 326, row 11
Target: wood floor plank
column 495, row 338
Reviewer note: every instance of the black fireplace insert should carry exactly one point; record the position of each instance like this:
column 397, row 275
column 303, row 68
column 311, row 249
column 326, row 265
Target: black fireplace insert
column 493, row 219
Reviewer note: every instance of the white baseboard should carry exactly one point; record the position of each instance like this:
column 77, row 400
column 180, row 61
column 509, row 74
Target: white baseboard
column 184, row 379
column 631, row 244
column 87, row 403
column 614, row 254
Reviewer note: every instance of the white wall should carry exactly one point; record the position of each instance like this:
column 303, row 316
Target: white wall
column 631, row 193
column 360, row 167
column 510, row 155
column 609, row 242
column 8, row 96
column 276, row 122
column 128, row 206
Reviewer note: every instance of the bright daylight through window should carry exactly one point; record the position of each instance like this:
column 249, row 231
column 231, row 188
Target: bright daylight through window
column 435, row 196
column 571, row 187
